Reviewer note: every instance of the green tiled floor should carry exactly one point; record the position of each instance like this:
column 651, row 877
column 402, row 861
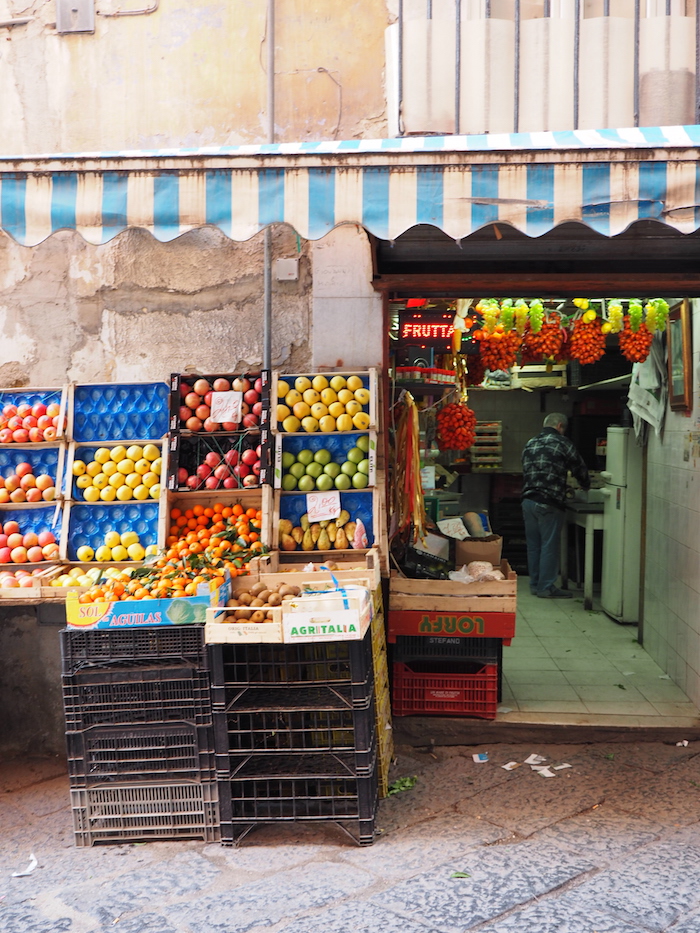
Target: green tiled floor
column 570, row 665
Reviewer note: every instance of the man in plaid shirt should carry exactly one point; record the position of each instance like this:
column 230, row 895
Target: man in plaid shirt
column 547, row 459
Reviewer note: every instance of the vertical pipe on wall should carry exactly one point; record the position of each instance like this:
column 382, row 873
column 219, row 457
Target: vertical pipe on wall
column 697, row 62
column 399, row 95
column 267, row 239
column 516, row 77
column 636, row 61
column 577, row 48
column 458, row 63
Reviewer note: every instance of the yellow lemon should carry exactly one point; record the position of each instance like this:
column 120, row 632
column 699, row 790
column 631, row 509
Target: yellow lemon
column 328, row 396
column 311, row 396
column 108, row 494
column 133, row 480
column 151, row 452
column 352, row 407
column 152, row 550
column 141, row 492
column 361, row 420
column 136, row 551
column 157, row 466
column 338, row 383
column 119, row 553
column 79, row 467
column 82, row 482
column 77, row 571
column 129, row 537
column 283, row 412
column 291, row 424
column 319, row 410
column 100, row 481
column 336, row 409
column 362, row 396
column 282, row 388
column 345, row 396
column 124, row 493
column 103, row 554
column 149, row 479
column 112, row 539
column 354, row 383
column 302, row 383
column 84, row 554
column 117, row 453
column 135, row 452
column 126, row 465
column 142, row 466
column 319, row 383
column 292, row 397
column 93, row 468
column 344, row 423
column 116, row 480
column 84, row 580
column 310, row 425
column 301, row 410
column 109, row 468
column 327, row 424
column 102, row 454
column 91, row 494
column 155, row 491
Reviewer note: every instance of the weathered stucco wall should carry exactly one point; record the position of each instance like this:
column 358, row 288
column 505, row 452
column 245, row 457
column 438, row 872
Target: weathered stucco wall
column 190, row 74
column 136, row 309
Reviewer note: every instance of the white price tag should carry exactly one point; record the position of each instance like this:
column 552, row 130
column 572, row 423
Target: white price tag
column 226, row 406
column 323, row 506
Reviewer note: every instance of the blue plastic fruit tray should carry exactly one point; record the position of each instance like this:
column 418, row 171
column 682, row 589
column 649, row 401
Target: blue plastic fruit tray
column 87, row 454
column 88, row 524
column 137, row 411
column 37, row 519
column 29, row 396
column 360, row 505
column 42, row 459
column 337, row 445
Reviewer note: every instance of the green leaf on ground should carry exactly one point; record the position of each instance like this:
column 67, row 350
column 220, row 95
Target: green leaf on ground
column 401, row 784
column 459, row 874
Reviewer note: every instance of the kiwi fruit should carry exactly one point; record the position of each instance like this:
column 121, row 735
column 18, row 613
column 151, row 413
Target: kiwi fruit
column 274, row 599
column 258, row 616
column 243, row 614
column 245, row 599
column 257, row 588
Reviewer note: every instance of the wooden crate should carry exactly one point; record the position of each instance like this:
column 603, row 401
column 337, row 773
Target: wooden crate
column 74, row 453
column 256, row 497
column 369, row 495
column 364, row 569
column 217, row 632
column 38, row 592
column 64, row 403
column 369, row 374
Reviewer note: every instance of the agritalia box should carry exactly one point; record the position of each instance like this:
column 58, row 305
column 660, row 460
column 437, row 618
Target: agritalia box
column 339, row 614
column 186, row 610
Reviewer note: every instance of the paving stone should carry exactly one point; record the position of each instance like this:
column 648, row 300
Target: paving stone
column 276, row 898
column 358, row 917
column 669, row 798
column 25, row 918
column 653, row 887
column 501, row 877
column 146, row 923
column 603, row 834
column 557, row 917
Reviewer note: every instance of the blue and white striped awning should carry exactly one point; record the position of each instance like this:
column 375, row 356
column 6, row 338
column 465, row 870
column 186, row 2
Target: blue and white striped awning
column 606, row 179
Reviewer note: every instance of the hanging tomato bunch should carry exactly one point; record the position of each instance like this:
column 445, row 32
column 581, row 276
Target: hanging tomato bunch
column 455, row 426
column 476, row 370
column 635, row 345
column 545, row 344
column 587, row 341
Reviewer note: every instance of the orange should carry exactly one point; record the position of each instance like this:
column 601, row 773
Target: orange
column 175, row 513
column 218, row 507
column 198, row 510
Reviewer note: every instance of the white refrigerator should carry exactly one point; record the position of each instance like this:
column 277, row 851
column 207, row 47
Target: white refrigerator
column 622, row 525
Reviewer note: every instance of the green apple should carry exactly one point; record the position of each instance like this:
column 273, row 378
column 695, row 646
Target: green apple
column 314, row 469
column 307, row 484
column 349, row 468
column 360, row 480
column 343, row 481
column 354, row 455
column 287, row 459
column 297, row 469
column 363, row 442
column 363, row 467
column 305, row 456
column 324, row 482
column 289, row 482
column 323, row 456
column 332, row 469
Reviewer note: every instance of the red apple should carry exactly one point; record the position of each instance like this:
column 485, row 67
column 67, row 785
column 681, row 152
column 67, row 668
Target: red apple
column 241, row 470
column 50, row 551
column 12, row 482
column 38, row 409
column 44, row 481
column 23, row 410
column 50, row 433
column 211, row 426
column 46, row 537
column 34, row 494
column 6, row 436
column 249, row 457
column 185, row 413
column 245, row 408
column 258, row 385
column 201, row 387
column 193, row 482
column 211, row 482
column 192, row 424
column 55, row 422
column 11, row 528
column 15, row 422
column 5, row 555
column 20, row 436
column 8, row 581
column 3, row 540
column 182, row 475
column 250, row 480
column 48, row 494
column 28, row 481
column 213, row 458
column 202, row 412
column 203, row 470
column 16, row 539
column 207, row 398
column 53, row 410
column 231, row 456
column 240, row 384
column 31, row 539
column 193, row 400
column 229, row 426
column 250, row 421
column 36, row 435
column 230, row 483
column 257, row 409
column 222, row 471
column 29, row 422
column 23, row 469
column 185, row 389
column 27, row 580
column 221, row 385
column 19, row 495
column 34, row 554
column 44, row 422
column 257, row 468
column 251, row 397
column 4, row 496
column 9, row 410
column 18, row 555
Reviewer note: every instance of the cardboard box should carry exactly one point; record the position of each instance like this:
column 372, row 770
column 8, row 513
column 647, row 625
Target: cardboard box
column 488, row 548
column 337, row 615
column 189, row 610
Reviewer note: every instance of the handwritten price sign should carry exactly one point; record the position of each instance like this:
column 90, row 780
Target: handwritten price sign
column 323, row 506
column 226, row 406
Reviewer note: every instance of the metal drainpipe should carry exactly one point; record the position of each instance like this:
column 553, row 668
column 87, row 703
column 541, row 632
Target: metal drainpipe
column 267, row 259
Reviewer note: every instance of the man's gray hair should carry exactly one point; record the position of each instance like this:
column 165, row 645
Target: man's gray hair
column 555, row 420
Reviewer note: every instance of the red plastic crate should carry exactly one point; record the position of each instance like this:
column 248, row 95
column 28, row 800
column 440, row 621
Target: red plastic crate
column 435, row 692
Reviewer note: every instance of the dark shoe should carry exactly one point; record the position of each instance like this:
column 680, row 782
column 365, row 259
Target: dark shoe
column 533, row 591
column 555, row 593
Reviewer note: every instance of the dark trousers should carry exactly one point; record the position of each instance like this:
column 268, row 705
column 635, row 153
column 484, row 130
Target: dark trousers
column 543, row 524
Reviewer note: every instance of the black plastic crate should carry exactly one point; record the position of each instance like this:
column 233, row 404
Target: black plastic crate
column 116, row 754
column 144, row 812
column 428, row 647
column 177, row 398
column 245, row 804
column 189, row 451
column 244, row 698
column 133, row 647
column 336, row 662
column 119, row 696
column 302, row 764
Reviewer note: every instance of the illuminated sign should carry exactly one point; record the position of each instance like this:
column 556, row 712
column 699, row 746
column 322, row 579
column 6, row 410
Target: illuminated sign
column 419, row 330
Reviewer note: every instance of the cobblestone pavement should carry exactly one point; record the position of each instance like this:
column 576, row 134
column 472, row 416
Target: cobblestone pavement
column 609, row 845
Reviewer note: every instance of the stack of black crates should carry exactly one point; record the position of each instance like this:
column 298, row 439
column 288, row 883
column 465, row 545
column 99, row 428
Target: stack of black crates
column 139, row 734
column 296, row 735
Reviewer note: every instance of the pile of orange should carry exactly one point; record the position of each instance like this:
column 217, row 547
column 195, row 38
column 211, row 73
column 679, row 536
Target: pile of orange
column 202, row 544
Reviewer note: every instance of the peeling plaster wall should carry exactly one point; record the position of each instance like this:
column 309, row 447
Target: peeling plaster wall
column 136, row 309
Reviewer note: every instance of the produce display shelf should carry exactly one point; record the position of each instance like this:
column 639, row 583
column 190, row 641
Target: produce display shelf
column 129, row 411
column 177, row 395
column 118, row 754
column 189, row 452
column 81, row 650
column 147, row 695
column 143, row 812
column 34, row 517
column 361, row 504
column 337, row 444
column 369, row 381
column 86, row 523
column 86, row 452
column 58, row 395
column 256, row 497
column 445, row 688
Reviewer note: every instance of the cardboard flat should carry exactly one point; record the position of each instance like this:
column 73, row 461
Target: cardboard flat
column 488, row 548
